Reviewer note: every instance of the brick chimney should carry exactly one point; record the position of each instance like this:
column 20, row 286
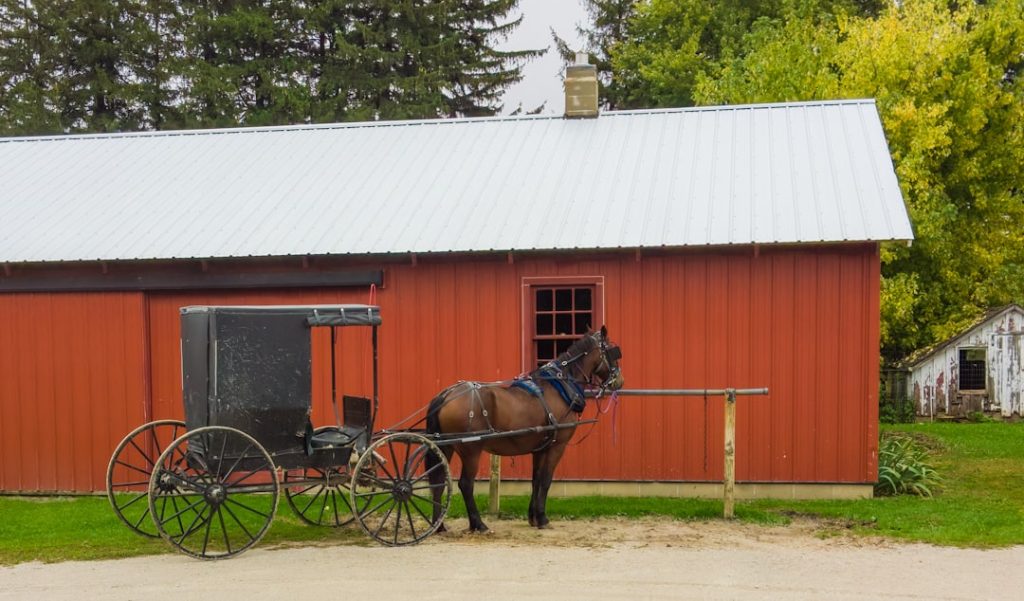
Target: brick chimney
column 581, row 89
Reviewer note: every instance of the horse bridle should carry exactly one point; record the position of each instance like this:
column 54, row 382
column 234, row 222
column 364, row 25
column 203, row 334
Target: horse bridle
column 610, row 355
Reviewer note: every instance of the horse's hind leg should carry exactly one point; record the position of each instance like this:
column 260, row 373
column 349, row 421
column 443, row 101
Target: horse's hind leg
column 437, row 485
column 470, row 464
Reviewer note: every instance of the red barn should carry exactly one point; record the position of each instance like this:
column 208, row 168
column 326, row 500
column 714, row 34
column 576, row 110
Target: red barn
column 723, row 246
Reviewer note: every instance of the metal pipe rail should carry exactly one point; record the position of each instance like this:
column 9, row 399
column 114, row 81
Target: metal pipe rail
column 686, row 392
column 729, row 476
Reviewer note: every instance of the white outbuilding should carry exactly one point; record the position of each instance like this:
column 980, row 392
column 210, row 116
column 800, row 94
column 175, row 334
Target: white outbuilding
column 979, row 369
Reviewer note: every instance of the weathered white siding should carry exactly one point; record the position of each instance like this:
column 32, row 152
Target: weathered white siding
column 935, row 378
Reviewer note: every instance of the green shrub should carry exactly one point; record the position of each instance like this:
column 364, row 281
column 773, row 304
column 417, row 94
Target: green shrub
column 978, row 417
column 896, row 411
column 903, row 468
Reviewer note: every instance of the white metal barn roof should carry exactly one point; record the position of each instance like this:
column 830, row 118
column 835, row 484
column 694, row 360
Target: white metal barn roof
column 782, row 173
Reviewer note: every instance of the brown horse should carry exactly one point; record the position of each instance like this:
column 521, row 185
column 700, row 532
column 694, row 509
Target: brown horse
column 536, row 415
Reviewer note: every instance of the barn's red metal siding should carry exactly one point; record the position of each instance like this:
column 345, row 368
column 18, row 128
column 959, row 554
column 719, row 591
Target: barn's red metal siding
column 72, row 380
column 801, row 321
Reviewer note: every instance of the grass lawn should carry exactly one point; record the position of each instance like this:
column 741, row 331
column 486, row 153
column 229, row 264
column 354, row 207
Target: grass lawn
column 980, row 503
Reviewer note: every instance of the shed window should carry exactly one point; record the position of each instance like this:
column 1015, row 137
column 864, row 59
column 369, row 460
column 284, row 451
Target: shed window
column 560, row 315
column 972, row 369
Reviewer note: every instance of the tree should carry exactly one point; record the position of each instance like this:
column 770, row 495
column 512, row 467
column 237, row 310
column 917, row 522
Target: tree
column 242, row 62
column 607, row 28
column 380, row 59
column 947, row 86
column 26, row 71
column 672, row 43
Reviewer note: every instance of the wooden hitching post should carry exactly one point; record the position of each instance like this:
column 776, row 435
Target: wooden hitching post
column 730, row 451
column 494, row 501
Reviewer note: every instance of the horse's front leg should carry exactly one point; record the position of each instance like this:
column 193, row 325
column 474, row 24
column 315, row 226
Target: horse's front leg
column 470, row 464
column 544, row 472
column 531, row 512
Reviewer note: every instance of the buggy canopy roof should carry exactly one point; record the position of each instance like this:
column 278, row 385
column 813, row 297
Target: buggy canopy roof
column 315, row 315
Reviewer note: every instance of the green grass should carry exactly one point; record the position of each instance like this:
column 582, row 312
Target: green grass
column 980, row 503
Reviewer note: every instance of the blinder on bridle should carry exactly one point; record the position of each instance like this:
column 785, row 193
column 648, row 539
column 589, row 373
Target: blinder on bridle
column 610, row 355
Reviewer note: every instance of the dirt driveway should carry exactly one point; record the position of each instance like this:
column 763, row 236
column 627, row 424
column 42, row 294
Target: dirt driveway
column 600, row 559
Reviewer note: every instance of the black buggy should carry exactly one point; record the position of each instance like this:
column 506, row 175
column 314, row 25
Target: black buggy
column 210, row 486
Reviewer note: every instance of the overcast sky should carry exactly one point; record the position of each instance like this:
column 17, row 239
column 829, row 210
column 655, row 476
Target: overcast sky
column 542, row 76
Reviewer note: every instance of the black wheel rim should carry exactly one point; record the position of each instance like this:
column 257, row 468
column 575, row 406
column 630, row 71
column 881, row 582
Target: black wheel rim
column 130, row 469
column 320, row 497
column 213, row 493
column 393, row 479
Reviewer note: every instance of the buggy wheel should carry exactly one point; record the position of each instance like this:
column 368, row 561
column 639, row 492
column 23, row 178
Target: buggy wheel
column 130, row 468
column 397, row 478
column 213, row 492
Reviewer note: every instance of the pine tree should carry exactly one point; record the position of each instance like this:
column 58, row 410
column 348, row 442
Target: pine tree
column 26, row 71
column 242, row 62
column 482, row 73
column 608, row 26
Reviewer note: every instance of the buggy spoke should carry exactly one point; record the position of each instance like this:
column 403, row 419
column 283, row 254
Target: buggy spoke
column 419, row 456
column 139, row 483
column 427, row 473
column 334, row 506
column 431, row 501
column 323, row 508
column 430, row 486
column 224, row 529
column 238, row 521
column 141, row 518
column 144, row 454
column 243, row 478
column 398, row 521
column 420, row 511
column 132, row 502
column 310, row 504
column 188, row 507
column 305, row 490
column 192, row 527
column 223, row 445
column 244, row 506
column 206, row 536
column 384, row 520
column 132, row 467
column 231, row 469
column 408, row 514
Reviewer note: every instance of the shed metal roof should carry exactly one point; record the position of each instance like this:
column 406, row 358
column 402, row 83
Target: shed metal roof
column 773, row 173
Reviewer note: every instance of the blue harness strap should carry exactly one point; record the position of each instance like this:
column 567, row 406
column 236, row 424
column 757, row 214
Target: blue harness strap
column 528, row 385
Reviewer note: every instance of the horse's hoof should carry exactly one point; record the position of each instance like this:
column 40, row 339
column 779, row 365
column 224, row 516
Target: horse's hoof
column 544, row 526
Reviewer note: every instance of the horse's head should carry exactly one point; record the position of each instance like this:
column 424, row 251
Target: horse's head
column 602, row 361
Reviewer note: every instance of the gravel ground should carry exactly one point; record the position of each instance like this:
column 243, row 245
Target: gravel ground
column 599, row 559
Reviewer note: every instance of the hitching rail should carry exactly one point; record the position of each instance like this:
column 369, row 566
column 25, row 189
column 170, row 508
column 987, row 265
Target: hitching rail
column 729, row 477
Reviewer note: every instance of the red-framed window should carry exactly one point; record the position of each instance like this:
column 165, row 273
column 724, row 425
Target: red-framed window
column 557, row 312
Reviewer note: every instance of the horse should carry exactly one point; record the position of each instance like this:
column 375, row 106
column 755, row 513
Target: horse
column 536, row 414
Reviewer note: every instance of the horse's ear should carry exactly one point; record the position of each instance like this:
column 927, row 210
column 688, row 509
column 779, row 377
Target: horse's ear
column 604, row 332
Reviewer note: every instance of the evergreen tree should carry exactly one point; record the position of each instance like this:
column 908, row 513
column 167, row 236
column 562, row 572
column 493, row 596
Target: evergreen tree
column 243, row 62
column 480, row 73
column 607, row 27
column 381, row 59
column 27, row 71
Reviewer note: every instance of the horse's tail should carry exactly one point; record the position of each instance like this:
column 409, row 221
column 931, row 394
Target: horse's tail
column 434, row 412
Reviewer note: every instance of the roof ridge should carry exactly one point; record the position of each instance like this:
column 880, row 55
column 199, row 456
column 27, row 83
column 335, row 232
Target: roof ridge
column 170, row 133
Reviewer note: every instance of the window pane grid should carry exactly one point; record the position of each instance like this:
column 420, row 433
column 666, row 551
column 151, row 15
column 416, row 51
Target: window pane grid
column 561, row 315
